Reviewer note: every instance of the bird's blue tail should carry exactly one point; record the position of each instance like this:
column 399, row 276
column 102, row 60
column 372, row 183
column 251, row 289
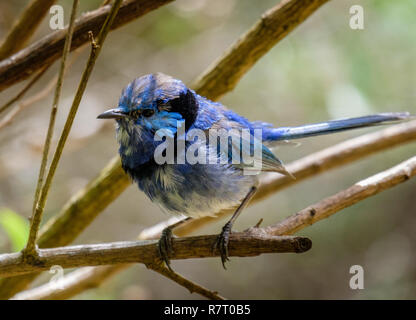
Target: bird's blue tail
column 288, row 133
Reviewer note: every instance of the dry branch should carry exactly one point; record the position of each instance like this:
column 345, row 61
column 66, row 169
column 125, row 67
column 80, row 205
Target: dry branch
column 146, row 251
column 96, row 46
column 29, row 60
column 190, row 285
column 24, row 27
column 33, row 234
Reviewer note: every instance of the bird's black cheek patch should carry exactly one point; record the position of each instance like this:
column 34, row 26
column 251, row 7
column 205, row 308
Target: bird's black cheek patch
column 187, row 105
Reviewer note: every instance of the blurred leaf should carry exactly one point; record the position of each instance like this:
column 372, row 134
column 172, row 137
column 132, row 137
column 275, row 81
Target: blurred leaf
column 16, row 227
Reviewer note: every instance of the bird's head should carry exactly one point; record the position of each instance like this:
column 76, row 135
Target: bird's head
column 153, row 102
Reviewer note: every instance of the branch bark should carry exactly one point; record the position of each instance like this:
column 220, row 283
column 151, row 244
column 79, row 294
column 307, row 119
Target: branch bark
column 48, row 49
column 146, row 251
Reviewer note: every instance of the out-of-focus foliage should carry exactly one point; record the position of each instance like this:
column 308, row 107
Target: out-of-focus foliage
column 322, row 70
column 16, row 228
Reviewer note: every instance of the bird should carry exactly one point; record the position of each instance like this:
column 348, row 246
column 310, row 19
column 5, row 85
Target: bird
column 157, row 110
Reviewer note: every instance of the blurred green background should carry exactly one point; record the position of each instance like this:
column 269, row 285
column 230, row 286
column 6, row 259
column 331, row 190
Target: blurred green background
column 322, row 70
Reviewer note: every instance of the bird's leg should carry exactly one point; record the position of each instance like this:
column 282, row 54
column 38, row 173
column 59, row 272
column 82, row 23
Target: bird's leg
column 165, row 241
column 222, row 241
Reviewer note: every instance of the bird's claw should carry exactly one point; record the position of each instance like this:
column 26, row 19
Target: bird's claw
column 165, row 246
column 221, row 244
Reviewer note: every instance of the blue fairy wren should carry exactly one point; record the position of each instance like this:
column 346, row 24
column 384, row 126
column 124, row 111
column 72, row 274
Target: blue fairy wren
column 157, row 103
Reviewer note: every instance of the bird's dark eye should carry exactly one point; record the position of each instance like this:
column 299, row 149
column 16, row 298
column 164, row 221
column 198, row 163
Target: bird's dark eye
column 148, row 112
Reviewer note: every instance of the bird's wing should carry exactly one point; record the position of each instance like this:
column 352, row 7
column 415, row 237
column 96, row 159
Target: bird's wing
column 214, row 116
column 259, row 157
column 246, row 151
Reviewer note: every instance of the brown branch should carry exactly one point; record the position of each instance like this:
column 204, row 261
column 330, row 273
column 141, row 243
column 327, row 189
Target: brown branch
column 147, row 252
column 223, row 75
column 48, row 49
column 25, row 26
column 95, row 51
column 188, row 284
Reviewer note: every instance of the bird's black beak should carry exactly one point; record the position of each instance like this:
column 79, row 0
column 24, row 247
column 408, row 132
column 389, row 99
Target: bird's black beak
column 112, row 114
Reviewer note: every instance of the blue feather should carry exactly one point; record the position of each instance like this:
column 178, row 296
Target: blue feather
column 157, row 105
column 308, row 130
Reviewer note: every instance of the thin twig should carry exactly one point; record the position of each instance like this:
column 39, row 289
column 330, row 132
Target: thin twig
column 95, row 50
column 24, row 27
column 31, row 242
column 193, row 287
column 242, row 244
column 20, row 95
column 48, row 49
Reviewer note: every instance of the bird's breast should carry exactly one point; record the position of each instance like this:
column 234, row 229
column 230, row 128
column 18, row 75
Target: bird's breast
column 193, row 190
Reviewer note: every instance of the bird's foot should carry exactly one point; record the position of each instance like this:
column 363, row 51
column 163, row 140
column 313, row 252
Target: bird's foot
column 165, row 246
column 221, row 244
